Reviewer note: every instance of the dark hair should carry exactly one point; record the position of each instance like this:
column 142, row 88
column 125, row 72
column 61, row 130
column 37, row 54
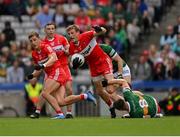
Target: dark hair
column 51, row 23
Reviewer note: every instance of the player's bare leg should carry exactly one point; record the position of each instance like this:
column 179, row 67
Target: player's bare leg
column 111, row 89
column 64, row 101
column 50, row 86
column 69, row 91
column 104, row 95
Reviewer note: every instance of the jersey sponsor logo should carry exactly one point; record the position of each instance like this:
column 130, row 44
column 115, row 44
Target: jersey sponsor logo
column 43, row 61
column 86, row 51
column 58, row 48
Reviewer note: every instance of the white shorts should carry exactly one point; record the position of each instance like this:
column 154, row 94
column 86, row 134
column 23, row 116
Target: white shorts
column 126, row 72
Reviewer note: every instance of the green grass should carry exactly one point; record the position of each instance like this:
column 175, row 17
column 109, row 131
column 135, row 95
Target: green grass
column 89, row 126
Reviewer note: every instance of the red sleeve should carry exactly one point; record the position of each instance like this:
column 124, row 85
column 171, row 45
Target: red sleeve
column 64, row 42
column 34, row 58
column 89, row 34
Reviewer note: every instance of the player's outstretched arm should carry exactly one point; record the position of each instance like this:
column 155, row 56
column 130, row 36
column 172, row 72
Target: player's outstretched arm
column 121, row 82
column 35, row 73
column 99, row 30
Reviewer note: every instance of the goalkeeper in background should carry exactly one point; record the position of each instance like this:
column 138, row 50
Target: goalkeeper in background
column 136, row 103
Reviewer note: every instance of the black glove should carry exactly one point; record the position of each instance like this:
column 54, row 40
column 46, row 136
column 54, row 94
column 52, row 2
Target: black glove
column 104, row 83
column 39, row 67
column 30, row 76
column 97, row 28
column 76, row 63
column 119, row 76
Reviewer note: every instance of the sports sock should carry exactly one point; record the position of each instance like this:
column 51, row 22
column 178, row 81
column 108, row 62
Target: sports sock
column 38, row 111
column 83, row 96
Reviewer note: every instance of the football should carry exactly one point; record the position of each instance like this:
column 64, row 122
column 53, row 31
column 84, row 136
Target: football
column 77, row 60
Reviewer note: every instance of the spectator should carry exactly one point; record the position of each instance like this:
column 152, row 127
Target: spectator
column 176, row 46
column 159, row 71
column 173, row 71
column 6, row 52
column 3, row 42
column 17, row 8
column 105, row 9
column 121, row 34
column 177, row 26
column 71, row 13
column 88, row 6
column 111, row 20
column 15, row 74
column 82, row 20
column 3, row 8
column 171, row 104
column 133, row 32
column 153, row 53
column 3, row 66
column 169, row 38
column 43, row 17
column 141, row 6
column 98, row 19
column 134, row 14
column 146, row 23
column 9, row 33
column 32, row 92
column 59, row 17
column 32, row 7
column 115, row 42
column 119, row 12
column 141, row 68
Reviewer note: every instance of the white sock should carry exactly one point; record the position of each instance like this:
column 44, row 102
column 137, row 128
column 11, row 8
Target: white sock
column 37, row 111
column 85, row 96
column 111, row 105
column 60, row 114
column 68, row 112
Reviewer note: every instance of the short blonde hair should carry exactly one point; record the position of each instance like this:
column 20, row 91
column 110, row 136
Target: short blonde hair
column 33, row 33
column 76, row 27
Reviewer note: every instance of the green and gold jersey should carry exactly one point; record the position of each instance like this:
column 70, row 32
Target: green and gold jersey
column 140, row 106
column 111, row 53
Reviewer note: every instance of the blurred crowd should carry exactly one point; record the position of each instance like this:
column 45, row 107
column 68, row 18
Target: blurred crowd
column 163, row 60
column 127, row 21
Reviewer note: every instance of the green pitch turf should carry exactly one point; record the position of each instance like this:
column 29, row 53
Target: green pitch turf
column 89, row 126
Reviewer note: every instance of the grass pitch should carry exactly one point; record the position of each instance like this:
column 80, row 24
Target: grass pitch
column 89, row 126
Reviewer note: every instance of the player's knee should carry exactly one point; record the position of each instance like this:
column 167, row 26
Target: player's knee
column 44, row 94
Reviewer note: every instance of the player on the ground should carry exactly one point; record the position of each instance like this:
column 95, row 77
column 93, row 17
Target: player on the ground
column 45, row 59
column 99, row 63
column 60, row 44
column 120, row 68
column 137, row 104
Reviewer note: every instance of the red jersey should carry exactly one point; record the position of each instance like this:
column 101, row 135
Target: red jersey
column 88, row 47
column 58, row 44
column 40, row 57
